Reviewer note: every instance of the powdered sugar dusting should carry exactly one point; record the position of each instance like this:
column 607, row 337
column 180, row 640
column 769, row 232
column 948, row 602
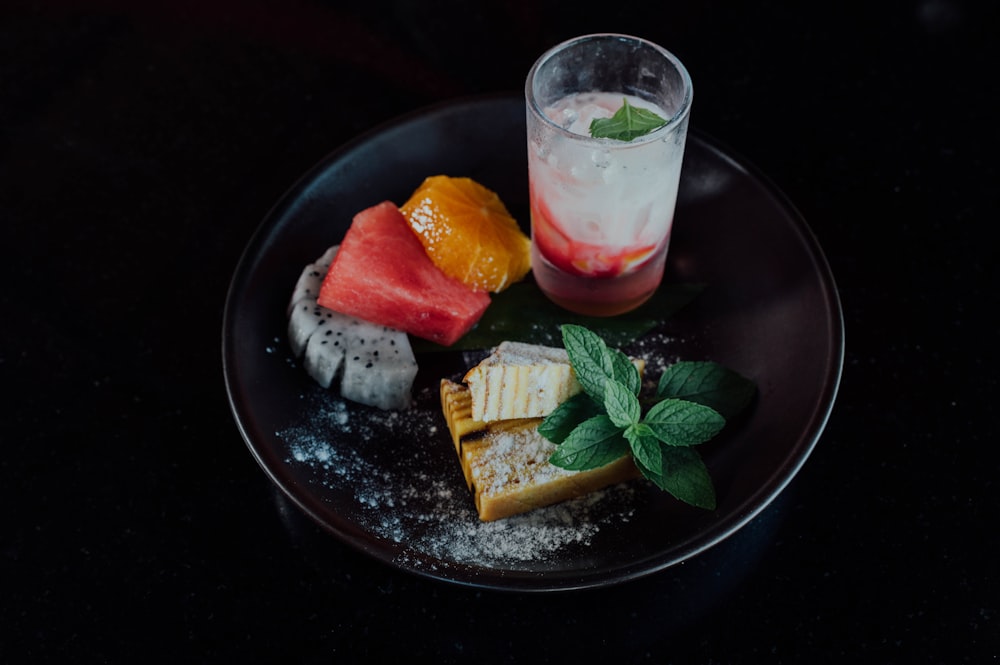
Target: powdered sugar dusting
column 395, row 474
column 518, row 457
column 404, row 484
column 658, row 349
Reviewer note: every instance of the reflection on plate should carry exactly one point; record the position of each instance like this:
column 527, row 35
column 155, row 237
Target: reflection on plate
column 389, row 484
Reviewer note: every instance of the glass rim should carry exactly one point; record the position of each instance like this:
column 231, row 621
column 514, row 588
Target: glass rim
column 676, row 119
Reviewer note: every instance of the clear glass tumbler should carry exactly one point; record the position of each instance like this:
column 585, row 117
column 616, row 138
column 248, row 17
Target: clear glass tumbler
column 602, row 208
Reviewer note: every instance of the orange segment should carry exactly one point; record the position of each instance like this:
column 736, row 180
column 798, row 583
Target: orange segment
column 468, row 233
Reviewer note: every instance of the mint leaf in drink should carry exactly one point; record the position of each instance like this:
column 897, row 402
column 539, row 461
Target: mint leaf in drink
column 707, row 383
column 593, row 443
column 629, row 122
column 606, row 421
column 677, row 422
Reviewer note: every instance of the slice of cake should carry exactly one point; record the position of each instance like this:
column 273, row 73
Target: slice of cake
column 506, row 462
column 466, row 432
column 520, row 380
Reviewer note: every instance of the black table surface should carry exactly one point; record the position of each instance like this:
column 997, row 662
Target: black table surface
column 141, row 143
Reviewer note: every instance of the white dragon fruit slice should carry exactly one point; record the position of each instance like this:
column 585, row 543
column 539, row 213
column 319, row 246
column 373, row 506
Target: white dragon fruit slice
column 325, row 350
column 379, row 367
column 306, row 318
column 328, row 255
column 373, row 364
column 312, row 278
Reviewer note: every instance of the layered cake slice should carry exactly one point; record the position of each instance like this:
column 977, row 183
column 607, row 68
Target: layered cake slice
column 506, row 461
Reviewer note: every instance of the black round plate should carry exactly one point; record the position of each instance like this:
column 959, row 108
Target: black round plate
column 390, row 484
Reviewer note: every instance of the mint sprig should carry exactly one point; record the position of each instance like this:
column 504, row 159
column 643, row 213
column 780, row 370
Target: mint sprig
column 628, row 122
column 607, row 420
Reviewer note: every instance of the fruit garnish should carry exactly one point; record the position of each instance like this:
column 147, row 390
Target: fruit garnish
column 468, row 233
column 383, row 275
column 628, row 122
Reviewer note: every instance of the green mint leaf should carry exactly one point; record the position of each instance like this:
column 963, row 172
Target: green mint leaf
column 707, row 383
column 686, row 477
column 591, row 359
column 621, row 404
column 661, row 442
column 677, row 422
column 646, row 449
column 628, row 122
column 625, row 371
column 564, row 418
column 593, row 443
column 504, row 319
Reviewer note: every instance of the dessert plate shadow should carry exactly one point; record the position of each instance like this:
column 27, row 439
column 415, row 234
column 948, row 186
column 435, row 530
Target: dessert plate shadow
column 389, row 484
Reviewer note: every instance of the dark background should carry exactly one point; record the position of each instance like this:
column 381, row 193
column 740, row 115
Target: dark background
column 142, row 143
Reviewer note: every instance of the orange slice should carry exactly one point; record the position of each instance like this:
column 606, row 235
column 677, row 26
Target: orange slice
column 468, row 233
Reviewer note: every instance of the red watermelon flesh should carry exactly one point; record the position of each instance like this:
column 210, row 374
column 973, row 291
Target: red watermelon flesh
column 382, row 274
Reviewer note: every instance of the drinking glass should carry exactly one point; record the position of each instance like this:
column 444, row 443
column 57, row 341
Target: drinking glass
column 602, row 208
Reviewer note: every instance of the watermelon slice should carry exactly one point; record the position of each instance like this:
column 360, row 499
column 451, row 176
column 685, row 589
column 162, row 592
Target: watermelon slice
column 382, row 274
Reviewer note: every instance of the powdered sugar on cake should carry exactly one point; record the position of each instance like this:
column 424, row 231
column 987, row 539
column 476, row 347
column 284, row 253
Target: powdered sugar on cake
column 416, row 495
column 519, row 457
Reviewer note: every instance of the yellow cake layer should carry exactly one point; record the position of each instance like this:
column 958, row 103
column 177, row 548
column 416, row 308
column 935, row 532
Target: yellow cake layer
column 506, row 465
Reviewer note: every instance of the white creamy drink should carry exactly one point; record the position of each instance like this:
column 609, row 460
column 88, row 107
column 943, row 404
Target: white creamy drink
column 602, row 209
column 617, row 196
